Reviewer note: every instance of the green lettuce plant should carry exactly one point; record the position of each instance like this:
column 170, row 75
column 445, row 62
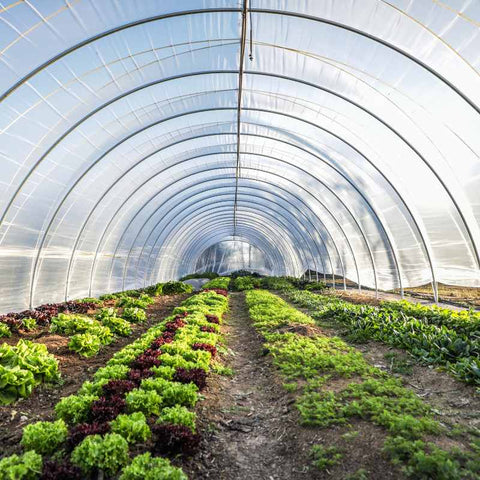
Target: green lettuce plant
column 140, row 400
column 4, row 330
column 15, row 382
column 118, row 326
column 146, row 467
column 29, row 324
column 175, row 288
column 44, row 437
column 112, row 372
column 134, row 314
column 74, row 408
column 172, row 393
column 24, row 467
column 108, row 454
column 33, row 357
column 22, row 367
column 85, row 344
column 133, row 428
column 178, row 415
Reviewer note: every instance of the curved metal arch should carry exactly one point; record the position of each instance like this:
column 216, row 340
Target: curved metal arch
column 250, row 234
column 225, row 219
column 265, row 200
column 316, row 200
column 192, row 260
column 183, row 140
column 412, row 217
column 472, row 243
column 375, row 39
column 176, row 226
column 148, row 156
column 216, row 225
column 276, row 186
column 190, row 265
column 215, row 188
column 338, row 199
column 187, row 224
column 319, row 181
column 244, row 232
column 107, row 33
column 326, row 21
column 396, row 133
column 428, row 254
column 262, row 240
column 207, row 181
column 219, row 108
column 290, row 205
column 191, row 199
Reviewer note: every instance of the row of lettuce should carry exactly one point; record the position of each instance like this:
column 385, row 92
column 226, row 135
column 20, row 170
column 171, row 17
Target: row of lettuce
column 139, row 405
column 42, row 315
column 249, row 282
column 315, row 367
column 434, row 335
column 27, row 364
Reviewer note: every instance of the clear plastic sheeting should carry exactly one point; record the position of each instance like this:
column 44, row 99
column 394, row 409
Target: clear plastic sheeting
column 137, row 135
column 233, row 255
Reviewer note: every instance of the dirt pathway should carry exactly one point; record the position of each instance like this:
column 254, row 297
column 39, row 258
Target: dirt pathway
column 252, row 424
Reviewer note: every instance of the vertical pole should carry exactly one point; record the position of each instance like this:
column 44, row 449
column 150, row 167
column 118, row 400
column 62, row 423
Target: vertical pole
column 435, row 291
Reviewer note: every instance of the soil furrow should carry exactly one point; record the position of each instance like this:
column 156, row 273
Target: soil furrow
column 250, row 424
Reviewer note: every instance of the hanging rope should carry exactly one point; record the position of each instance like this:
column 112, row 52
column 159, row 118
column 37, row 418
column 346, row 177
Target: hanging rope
column 239, row 109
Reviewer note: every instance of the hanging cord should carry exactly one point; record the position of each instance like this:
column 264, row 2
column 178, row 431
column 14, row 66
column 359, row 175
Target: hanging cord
column 243, row 41
column 250, row 53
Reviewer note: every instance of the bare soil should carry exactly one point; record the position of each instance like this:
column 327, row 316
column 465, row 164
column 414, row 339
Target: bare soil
column 74, row 371
column 463, row 296
column 251, row 427
column 368, row 296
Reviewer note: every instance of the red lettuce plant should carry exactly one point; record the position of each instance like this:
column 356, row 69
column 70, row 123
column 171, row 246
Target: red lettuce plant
column 196, row 375
column 118, row 387
column 206, row 328
column 138, row 375
column 212, row 319
column 207, row 347
column 144, row 361
column 174, row 439
column 79, row 432
column 158, row 342
column 13, row 323
column 174, row 326
column 105, row 409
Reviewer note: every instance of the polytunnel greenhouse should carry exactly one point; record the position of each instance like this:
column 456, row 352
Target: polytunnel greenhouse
column 239, row 239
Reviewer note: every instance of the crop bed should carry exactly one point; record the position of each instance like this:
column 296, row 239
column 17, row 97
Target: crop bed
column 139, row 403
column 434, row 335
column 335, row 386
